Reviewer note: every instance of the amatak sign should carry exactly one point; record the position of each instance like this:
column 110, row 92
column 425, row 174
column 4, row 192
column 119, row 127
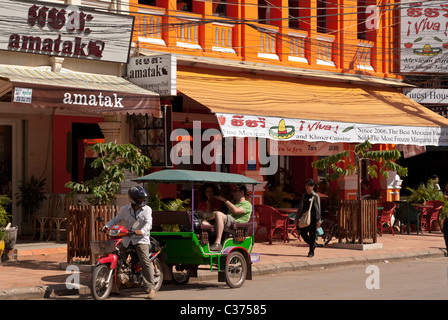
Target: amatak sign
column 156, row 73
column 67, row 31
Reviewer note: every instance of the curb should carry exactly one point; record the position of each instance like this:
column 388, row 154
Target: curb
column 42, row 292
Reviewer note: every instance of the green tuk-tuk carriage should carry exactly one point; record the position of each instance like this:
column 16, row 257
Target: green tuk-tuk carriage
column 185, row 250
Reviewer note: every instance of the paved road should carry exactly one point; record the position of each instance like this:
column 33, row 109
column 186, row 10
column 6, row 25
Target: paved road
column 404, row 280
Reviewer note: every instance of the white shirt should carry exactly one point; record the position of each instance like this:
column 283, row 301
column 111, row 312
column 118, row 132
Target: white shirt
column 127, row 216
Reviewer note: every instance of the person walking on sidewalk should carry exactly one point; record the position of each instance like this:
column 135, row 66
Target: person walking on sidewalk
column 309, row 233
column 138, row 216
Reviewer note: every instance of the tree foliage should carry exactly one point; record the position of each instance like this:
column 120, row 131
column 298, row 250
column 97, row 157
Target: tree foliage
column 362, row 151
column 114, row 161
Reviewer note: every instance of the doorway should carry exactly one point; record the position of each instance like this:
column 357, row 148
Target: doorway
column 11, row 163
column 83, row 135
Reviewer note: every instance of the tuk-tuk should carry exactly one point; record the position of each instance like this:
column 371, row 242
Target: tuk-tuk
column 185, row 250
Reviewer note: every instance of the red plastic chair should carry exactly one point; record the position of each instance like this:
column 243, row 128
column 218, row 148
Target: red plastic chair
column 433, row 213
column 386, row 215
column 272, row 220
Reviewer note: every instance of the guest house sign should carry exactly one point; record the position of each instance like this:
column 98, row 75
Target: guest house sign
column 239, row 125
column 67, row 31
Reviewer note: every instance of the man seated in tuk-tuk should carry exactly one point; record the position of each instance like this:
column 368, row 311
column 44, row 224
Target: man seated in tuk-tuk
column 240, row 211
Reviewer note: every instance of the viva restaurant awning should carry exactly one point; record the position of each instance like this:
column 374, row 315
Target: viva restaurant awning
column 42, row 88
column 249, row 105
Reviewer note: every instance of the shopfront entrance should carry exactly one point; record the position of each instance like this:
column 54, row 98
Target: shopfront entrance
column 11, row 145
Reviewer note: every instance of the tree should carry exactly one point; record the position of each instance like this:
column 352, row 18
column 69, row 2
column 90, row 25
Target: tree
column 363, row 151
column 114, row 161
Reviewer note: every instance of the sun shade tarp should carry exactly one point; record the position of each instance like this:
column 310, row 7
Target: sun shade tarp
column 186, row 176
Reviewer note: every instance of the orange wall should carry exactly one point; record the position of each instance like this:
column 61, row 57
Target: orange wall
column 159, row 28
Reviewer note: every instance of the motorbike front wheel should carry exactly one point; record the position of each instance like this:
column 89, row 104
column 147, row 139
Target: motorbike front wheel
column 158, row 274
column 100, row 287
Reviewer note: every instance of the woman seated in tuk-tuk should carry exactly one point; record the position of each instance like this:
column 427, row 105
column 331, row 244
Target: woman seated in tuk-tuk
column 209, row 202
column 240, row 211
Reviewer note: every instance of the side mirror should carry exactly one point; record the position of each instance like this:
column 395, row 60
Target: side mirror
column 100, row 219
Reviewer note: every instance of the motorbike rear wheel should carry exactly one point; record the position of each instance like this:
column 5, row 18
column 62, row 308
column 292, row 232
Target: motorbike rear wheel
column 100, row 288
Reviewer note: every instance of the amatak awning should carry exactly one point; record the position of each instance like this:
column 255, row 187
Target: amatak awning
column 42, row 88
column 278, row 108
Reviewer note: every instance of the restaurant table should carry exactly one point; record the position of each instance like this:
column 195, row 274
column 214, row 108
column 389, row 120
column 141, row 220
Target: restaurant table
column 400, row 203
column 407, row 207
column 422, row 217
column 291, row 228
column 289, row 211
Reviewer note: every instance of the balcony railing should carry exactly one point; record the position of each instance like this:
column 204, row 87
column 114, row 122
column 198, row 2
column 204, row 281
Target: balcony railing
column 297, row 51
column 267, row 45
column 325, row 49
column 364, row 55
column 188, row 32
column 222, row 41
column 260, row 41
column 149, row 23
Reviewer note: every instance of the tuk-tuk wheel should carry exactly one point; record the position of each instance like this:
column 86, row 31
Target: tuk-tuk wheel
column 181, row 275
column 236, row 269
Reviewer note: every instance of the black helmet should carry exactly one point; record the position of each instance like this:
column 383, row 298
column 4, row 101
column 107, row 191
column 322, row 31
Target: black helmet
column 138, row 196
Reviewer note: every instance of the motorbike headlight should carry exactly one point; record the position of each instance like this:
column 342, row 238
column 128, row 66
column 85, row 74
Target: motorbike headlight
column 113, row 232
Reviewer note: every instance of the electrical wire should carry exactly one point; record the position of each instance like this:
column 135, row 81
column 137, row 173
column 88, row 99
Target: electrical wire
column 387, row 8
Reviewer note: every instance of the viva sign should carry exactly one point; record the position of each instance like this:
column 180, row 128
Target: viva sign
column 46, row 28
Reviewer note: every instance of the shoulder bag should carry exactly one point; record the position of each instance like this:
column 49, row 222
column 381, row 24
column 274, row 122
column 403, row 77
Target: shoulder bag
column 305, row 219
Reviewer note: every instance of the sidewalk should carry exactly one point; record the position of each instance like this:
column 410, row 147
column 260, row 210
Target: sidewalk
column 39, row 271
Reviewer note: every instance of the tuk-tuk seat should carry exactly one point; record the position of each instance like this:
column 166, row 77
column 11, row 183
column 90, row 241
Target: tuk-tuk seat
column 241, row 230
column 182, row 218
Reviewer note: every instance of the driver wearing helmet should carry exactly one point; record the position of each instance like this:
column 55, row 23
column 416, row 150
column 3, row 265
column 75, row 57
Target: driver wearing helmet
column 138, row 217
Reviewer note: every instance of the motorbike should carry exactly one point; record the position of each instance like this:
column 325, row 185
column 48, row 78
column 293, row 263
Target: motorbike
column 114, row 271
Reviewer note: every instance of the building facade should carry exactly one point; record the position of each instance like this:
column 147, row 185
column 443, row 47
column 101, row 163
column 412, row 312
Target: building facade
column 61, row 68
column 246, row 67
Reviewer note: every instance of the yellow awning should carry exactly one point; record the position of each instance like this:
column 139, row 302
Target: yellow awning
column 311, row 107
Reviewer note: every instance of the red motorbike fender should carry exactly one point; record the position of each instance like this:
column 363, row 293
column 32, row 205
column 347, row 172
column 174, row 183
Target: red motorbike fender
column 111, row 259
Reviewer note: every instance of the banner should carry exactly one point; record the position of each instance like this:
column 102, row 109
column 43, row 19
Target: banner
column 424, row 36
column 283, row 129
column 42, row 96
column 303, row 148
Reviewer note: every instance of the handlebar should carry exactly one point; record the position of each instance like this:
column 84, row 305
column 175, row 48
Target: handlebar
column 106, row 229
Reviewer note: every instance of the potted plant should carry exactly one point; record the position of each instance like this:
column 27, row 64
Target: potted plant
column 362, row 152
column 4, row 223
column 31, row 194
column 156, row 204
column 277, row 198
column 2, row 242
column 427, row 192
column 114, row 161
